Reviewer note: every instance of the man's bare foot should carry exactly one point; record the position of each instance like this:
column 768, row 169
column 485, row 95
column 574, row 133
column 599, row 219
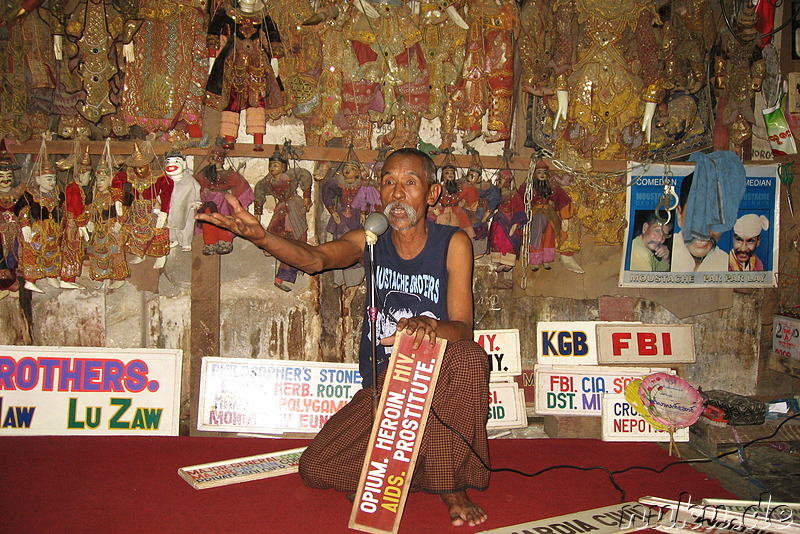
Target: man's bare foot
column 462, row 510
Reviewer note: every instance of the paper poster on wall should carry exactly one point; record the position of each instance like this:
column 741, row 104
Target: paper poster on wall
column 658, row 254
column 272, row 396
column 66, row 391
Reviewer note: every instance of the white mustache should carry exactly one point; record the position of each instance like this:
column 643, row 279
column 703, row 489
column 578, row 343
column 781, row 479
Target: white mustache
column 410, row 212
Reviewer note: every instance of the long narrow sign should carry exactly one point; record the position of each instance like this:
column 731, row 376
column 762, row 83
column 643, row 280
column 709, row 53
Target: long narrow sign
column 396, row 435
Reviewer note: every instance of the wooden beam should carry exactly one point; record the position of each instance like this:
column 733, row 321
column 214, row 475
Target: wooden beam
column 245, row 150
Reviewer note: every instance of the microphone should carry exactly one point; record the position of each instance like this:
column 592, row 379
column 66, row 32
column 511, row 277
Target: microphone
column 375, row 225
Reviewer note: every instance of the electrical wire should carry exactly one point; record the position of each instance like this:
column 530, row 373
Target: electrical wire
column 612, row 474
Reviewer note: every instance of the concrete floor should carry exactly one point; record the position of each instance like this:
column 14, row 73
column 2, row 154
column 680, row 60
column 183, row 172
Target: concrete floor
column 767, row 471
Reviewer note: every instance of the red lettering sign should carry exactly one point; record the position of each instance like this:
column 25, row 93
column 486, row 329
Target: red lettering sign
column 396, row 435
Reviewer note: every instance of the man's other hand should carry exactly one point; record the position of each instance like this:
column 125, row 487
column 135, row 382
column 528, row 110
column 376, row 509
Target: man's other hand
column 420, row 327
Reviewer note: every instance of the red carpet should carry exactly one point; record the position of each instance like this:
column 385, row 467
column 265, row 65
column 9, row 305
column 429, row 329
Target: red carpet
column 130, row 485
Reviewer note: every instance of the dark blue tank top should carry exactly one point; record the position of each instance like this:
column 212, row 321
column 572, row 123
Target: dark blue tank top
column 405, row 288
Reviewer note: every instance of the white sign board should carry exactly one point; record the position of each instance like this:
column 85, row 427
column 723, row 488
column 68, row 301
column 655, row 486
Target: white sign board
column 617, row 518
column 569, row 342
column 649, row 344
column 563, row 390
column 506, row 406
column 65, row 391
column 502, row 346
column 272, row 396
column 621, row 422
column 566, row 343
column 215, row 474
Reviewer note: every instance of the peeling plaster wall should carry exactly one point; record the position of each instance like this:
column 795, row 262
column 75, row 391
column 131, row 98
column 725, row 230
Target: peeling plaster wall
column 319, row 322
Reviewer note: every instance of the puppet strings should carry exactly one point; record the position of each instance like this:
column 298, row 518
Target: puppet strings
column 611, row 474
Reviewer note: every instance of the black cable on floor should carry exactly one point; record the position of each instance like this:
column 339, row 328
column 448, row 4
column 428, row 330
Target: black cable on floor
column 611, row 474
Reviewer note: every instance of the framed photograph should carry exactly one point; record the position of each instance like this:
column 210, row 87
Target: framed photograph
column 658, row 254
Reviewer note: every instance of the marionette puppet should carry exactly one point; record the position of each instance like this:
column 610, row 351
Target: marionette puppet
column 487, row 203
column 105, row 249
column 146, row 197
column 487, row 75
column 289, row 216
column 449, row 210
column 9, row 225
column 166, row 67
column 39, row 211
column 215, row 180
column 91, row 71
column 241, row 77
column 549, row 209
column 75, row 234
column 505, row 232
column 184, row 201
column 339, row 194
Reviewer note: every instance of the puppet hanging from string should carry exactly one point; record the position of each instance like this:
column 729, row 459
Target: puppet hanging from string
column 289, row 215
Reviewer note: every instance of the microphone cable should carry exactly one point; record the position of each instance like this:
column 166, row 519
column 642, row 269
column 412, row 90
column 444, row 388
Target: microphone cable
column 611, row 474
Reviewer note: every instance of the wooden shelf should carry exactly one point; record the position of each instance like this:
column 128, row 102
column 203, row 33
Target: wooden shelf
column 245, row 150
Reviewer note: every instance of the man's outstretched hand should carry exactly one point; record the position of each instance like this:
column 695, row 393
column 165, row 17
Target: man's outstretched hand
column 241, row 222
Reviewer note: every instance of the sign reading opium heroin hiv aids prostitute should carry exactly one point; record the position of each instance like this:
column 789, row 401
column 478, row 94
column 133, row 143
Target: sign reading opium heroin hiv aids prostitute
column 396, row 435
column 65, row 391
column 272, row 396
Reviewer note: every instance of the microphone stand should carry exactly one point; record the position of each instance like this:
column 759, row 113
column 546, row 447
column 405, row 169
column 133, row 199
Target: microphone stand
column 375, row 225
column 373, row 319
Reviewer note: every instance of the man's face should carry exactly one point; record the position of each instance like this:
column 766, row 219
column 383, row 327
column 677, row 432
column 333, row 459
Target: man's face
column 276, row 167
column 6, row 179
column 473, row 177
column 174, row 166
column 47, row 182
column 540, row 174
column 699, row 248
column 654, row 235
column 744, row 247
column 405, row 191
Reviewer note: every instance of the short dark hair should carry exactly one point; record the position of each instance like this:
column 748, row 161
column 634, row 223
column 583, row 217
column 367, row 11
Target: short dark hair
column 653, row 218
column 427, row 162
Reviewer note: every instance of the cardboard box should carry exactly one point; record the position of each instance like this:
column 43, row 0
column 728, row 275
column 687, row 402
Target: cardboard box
column 786, row 336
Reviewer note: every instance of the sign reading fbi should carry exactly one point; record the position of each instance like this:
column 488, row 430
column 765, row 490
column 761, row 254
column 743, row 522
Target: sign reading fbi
column 645, row 343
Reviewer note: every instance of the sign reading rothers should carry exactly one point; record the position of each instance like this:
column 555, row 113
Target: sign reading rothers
column 99, row 391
